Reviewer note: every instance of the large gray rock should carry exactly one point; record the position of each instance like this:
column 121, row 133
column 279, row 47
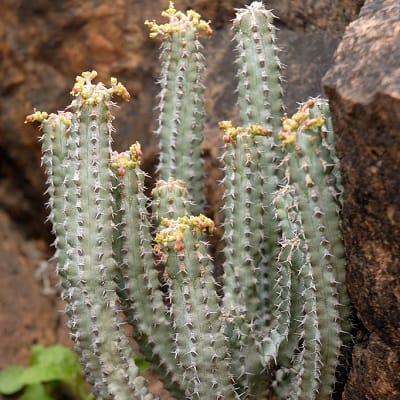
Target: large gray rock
column 363, row 86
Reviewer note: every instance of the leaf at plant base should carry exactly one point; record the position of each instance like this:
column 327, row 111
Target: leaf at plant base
column 46, row 373
column 37, row 391
column 54, row 355
column 10, row 380
column 55, row 363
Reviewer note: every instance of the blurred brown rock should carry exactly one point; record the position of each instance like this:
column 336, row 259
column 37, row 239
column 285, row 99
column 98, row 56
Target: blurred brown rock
column 29, row 308
column 363, row 87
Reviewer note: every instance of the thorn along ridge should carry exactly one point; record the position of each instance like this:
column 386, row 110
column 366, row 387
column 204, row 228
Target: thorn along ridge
column 277, row 304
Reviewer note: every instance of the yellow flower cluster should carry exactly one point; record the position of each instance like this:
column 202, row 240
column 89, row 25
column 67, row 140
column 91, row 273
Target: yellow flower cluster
column 290, row 126
column 174, row 229
column 120, row 162
column 230, row 131
column 178, row 22
column 83, row 84
column 118, row 89
column 36, row 116
column 95, row 94
column 51, row 121
column 135, row 151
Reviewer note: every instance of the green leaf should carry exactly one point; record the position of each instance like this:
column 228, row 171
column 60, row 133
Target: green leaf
column 52, row 364
column 10, row 380
column 36, row 391
column 46, row 373
column 59, row 363
column 55, row 355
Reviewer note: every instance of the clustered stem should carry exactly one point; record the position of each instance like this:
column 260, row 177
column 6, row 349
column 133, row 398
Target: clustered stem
column 276, row 324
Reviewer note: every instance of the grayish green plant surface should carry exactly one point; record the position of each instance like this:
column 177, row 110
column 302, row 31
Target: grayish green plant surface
column 278, row 325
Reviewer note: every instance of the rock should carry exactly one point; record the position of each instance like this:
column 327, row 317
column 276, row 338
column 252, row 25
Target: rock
column 363, row 87
column 380, row 365
column 29, row 308
column 331, row 16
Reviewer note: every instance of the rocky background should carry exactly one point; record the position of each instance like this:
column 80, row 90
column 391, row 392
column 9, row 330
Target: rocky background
column 44, row 44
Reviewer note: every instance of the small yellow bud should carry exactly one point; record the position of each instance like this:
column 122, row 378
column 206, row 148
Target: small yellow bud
column 136, row 151
column 289, row 125
column 37, row 116
column 287, row 137
column 299, row 117
column 89, row 75
column 257, row 130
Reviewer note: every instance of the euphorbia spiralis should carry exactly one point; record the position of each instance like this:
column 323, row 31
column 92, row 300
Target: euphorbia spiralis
column 277, row 324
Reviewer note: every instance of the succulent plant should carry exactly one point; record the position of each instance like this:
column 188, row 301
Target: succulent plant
column 278, row 323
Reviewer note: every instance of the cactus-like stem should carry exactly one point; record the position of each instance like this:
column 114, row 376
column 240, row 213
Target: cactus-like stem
column 334, row 184
column 304, row 373
column 171, row 200
column 243, row 218
column 310, row 359
column 286, row 267
column 139, row 285
column 281, row 319
column 181, row 99
column 327, row 143
column 63, row 202
column 246, row 298
column 200, row 346
column 92, row 180
column 89, row 228
column 134, row 255
column 310, row 173
column 260, row 103
column 260, row 92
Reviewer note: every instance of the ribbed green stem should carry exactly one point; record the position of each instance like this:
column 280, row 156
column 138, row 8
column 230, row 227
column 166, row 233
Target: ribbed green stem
column 332, row 214
column 200, row 346
column 63, row 203
column 139, row 286
column 74, row 234
column 170, row 200
column 328, row 144
column 310, row 358
column 270, row 176
column 242, row 226
column 95, row 259
column 135, row 254
column 282, row 287
column 302, row 374
column 259, row 67
column 87, row 216
column 310, row 175
column 181, row 100
column 245, row 270
column 259, row 98
column 246, row 360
